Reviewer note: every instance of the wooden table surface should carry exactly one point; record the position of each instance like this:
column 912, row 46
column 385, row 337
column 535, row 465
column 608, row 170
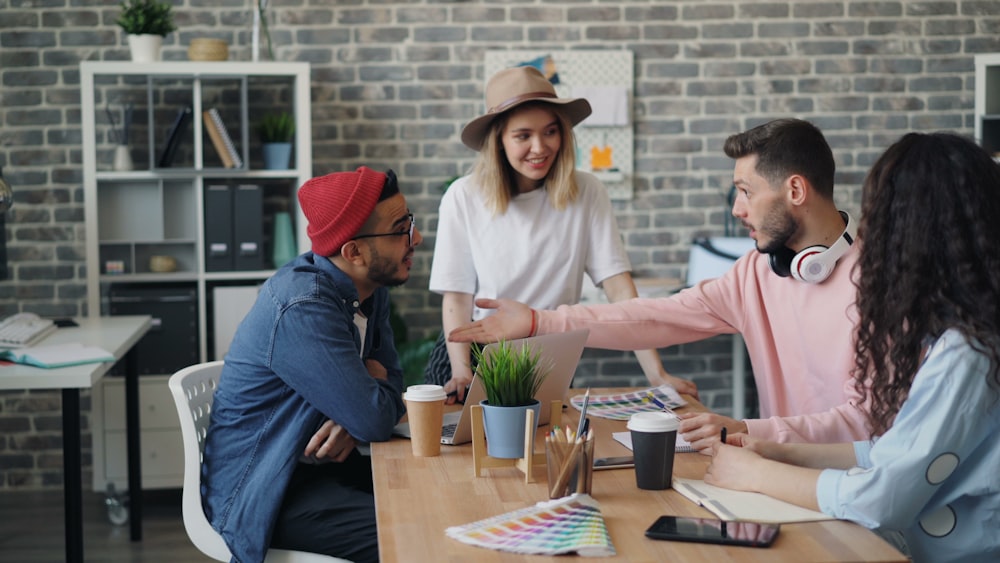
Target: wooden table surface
column 416, row 498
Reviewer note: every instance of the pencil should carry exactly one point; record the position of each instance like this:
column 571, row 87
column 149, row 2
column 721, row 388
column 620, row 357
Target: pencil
column 567, row 468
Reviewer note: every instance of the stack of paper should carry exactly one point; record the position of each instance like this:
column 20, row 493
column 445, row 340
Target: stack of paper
column 58, row 355
column 567, row 525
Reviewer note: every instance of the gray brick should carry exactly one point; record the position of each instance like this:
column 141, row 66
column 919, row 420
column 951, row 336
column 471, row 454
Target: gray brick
column 498, row 33
column 554, row 34
column 818, row 9
column 791, row 29
column 674, row 32
column 650, row 13
column 823, row 47
column 727, row 30
column 874, row 9
column 950, row 27
column 612, row 32
column 601, row 14
column 983, row 8
column 924, row 9
column 710, row 50
column 764, row 49
column 707, row 12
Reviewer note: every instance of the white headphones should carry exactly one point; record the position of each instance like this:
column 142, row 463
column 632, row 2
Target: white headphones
column 815, row 263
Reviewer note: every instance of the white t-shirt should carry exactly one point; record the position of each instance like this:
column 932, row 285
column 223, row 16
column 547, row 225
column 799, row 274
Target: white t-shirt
column 532, row 253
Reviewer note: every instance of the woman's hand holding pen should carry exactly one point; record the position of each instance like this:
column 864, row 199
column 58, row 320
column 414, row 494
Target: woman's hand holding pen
column 511, row 320
column 702, row 430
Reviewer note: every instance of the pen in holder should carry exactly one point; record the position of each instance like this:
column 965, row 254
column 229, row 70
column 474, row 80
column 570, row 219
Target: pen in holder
column 569, row 463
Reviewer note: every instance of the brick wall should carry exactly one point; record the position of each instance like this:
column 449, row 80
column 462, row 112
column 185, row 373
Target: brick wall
column 393, row 82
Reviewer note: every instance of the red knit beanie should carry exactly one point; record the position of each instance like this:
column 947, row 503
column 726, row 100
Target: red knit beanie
column 337, row 205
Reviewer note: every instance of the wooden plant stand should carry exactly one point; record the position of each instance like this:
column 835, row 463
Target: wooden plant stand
column 481, row 460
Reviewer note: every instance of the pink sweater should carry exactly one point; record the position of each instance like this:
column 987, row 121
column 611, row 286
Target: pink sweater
column 800, row 338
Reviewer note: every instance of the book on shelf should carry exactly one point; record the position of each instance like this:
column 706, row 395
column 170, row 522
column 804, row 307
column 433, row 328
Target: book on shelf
column 174, row 137
column 221, row 140
column 58, row 355
column 743, row 506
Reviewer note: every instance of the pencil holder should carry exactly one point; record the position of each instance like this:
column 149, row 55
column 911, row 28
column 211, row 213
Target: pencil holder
column 570, row 466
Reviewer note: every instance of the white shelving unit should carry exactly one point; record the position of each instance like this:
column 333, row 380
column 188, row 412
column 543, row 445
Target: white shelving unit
column 988, row 102
column 148, row 211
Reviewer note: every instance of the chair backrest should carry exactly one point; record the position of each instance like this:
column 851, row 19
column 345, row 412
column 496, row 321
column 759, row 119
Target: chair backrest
column 193, row 389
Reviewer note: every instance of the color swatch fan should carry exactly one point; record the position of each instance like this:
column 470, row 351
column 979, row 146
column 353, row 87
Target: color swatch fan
column 620, row 406
column 572, row 524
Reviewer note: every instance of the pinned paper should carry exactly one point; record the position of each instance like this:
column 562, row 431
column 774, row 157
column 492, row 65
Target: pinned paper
column 609, row 105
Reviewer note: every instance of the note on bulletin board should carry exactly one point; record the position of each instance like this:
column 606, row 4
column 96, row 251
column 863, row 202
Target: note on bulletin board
column 604, row 78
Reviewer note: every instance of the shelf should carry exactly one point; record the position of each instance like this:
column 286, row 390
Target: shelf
column 132, row 217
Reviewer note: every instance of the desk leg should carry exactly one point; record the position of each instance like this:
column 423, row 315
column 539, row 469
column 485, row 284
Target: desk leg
column 72, row 479
column 132, row 441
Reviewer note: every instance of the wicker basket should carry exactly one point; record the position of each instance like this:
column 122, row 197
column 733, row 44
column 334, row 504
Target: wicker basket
column 205, row 49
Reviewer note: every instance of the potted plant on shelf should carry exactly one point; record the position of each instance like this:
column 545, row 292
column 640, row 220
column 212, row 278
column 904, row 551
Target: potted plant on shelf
column 146, row 22
column 276, row 132
column 510, row 376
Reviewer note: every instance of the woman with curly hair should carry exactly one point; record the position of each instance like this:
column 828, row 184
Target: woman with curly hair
column 928, row 363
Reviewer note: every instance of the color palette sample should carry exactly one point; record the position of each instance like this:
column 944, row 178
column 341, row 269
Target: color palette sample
column 572, row 524
column 620, row 406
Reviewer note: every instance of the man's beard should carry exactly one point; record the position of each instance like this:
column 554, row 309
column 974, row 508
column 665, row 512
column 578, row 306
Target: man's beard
column 385, row 272
column 777, row 227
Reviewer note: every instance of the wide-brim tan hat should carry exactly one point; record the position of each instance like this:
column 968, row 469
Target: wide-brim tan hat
column 512, row 87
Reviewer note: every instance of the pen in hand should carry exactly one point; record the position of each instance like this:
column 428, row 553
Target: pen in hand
column 723, row 434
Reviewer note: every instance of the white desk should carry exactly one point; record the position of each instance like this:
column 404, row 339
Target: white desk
column 116, row 335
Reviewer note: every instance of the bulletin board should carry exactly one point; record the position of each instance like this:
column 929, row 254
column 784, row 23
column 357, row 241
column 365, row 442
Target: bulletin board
column 605, row 78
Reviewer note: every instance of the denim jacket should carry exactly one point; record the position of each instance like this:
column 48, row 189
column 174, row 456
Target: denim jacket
column 296, row 360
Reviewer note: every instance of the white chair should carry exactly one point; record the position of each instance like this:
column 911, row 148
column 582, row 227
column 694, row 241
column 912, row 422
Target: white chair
column 193, row 389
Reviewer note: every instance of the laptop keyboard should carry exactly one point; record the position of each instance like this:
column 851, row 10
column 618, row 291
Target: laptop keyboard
column 448, row 430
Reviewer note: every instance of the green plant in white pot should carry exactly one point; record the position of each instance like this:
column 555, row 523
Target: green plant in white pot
column 276, row 132
column 146, row 22
column 510, row 376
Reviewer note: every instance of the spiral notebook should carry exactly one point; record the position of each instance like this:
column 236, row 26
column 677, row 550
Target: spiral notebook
column 223, row 143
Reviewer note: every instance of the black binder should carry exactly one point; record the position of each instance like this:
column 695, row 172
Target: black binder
column 218, row 228
column 248, row 246
column 174, row 137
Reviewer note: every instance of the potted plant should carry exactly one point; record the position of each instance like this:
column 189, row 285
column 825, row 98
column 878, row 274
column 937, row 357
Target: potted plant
column 276, row 132
column 146, row 22
column 510, row 376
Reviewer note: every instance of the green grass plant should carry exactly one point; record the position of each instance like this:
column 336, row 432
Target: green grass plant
column 510, row 375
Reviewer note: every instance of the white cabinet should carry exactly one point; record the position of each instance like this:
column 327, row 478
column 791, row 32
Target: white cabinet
column 988, row 102
column 156, row 225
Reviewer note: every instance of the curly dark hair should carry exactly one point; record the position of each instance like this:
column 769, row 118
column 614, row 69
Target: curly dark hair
column 930, row 261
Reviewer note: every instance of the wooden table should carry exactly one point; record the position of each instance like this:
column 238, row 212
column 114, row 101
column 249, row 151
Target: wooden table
column 416, row 498
column 116, row 335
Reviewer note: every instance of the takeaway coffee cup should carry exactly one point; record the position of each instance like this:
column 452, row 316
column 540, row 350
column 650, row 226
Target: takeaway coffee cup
column 425, row 412
column 654, row 436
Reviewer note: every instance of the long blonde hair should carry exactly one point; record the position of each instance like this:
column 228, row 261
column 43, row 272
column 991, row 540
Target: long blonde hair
column 498, row 180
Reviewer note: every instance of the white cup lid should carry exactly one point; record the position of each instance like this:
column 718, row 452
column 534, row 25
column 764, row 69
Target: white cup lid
column 424, row 393
column 653, row 421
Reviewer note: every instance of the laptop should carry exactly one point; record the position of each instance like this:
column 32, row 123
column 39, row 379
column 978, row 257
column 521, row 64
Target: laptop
column 561, row 351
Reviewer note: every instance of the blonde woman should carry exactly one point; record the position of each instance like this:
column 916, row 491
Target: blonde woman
column 525, row 224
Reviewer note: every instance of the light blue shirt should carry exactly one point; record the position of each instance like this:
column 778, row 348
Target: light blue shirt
column 935, row 475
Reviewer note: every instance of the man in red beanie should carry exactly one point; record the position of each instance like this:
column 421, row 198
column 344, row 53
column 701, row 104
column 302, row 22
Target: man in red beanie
column 312, row 376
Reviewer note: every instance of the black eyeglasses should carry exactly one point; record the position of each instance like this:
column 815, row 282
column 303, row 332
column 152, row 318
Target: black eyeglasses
column 408, row 233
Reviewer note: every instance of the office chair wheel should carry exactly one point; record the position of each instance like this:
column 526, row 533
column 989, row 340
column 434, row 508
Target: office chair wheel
column 117, row 504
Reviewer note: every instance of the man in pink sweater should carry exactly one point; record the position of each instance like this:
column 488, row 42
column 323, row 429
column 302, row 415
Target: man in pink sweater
column 792, row 299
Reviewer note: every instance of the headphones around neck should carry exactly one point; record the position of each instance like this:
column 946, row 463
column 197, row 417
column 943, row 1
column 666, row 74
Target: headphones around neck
column 815, row 263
